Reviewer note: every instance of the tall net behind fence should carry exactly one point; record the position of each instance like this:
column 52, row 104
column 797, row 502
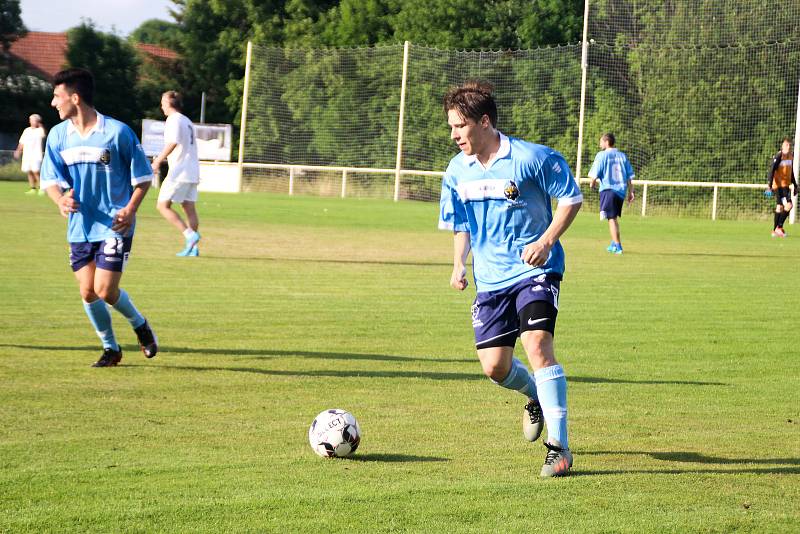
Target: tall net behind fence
column 695, row 91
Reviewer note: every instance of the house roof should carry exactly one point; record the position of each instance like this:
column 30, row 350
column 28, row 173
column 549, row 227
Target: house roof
column 44, row 53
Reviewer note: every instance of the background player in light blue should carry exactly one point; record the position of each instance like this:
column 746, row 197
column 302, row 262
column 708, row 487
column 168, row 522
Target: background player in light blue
column 612, row 168
column 496, row 199
column 94, row 169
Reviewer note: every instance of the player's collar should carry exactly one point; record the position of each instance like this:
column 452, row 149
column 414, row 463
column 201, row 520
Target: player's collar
column 503, row 151
column 99, row 126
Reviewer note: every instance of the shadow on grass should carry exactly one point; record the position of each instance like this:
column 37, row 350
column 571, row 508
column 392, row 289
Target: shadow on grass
column 780, row 466
column 377, row 457
column 259, row 353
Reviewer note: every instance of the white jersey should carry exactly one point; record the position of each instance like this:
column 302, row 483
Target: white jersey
column 183, row 163
column 32, row 144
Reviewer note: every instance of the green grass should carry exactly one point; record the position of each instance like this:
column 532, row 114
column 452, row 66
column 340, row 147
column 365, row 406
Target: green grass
column 681, row 355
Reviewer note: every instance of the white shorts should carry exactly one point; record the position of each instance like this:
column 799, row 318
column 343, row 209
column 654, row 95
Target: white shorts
column 31, row 165
column 177, row 191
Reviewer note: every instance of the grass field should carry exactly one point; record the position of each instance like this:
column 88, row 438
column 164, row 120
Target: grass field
column 681, row 358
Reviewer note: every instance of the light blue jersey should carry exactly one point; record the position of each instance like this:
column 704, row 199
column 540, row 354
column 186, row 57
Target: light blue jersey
column 102, row 168
column 505, row 207
column 612, row 168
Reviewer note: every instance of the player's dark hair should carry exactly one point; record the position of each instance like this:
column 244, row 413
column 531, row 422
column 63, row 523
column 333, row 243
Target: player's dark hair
column 78, row 81
column 175, row 99
column 472, row 100
column 787, row 140
column 609, row 138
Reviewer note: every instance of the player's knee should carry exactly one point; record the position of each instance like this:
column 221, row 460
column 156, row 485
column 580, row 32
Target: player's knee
column 778, row 209
column 88, row 294
column 163, row 207
column 495, row 370
column 539, row 347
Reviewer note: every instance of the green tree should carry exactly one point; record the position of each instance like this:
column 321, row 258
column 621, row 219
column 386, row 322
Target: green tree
column 20, row 93
column 157, row 32
column 115, row 67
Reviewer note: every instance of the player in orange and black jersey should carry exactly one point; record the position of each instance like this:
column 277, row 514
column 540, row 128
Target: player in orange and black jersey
column 779, row 178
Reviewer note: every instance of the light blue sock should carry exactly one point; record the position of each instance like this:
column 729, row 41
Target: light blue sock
column 101, row 320
column 127, row 309
column 551, row 384
column 519, row 379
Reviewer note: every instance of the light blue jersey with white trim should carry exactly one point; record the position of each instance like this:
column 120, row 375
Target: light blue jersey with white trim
column 101, row 168
column 506, row 206
column 612, row 168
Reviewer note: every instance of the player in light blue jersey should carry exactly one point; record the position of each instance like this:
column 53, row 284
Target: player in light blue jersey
column 496, row 199
column 94, row 169
column 612, row 168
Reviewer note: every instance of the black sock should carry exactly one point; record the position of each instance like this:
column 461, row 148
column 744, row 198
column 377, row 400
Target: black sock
column 777, row 220
column 784, row 216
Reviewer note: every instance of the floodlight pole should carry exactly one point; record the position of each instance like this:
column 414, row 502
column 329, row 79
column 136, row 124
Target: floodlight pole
column 796, row 157
column 246, row 91
column 399, row 159
column 584, row 69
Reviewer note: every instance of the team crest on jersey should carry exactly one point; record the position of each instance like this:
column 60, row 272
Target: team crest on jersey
column 511, row 191
column 105, row 157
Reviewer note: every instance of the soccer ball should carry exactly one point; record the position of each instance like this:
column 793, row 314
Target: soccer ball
column 334, row 433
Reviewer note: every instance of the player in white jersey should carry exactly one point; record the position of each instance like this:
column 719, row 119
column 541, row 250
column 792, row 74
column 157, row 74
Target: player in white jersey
column 496, row 199
column 30, row 149
column 95, row 170
column 180, row 185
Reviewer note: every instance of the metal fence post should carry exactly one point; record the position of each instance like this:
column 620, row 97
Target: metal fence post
column 399, row 159
column 644, row 200
column 344, row 182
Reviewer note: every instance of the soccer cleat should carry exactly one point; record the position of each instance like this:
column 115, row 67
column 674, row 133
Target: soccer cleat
column 147, row 339
column 779, row 232
column 110, row 358
column 611, row 247
column 775, row 233
column 618, row 250
column 532, row 420
column 191, row 246
column 557, row 463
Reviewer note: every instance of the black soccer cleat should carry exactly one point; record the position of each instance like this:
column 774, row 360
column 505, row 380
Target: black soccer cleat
column 532, row 420
column 147, row 339
column 110, row 358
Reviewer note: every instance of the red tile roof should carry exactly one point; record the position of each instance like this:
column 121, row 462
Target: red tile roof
column 44, row 53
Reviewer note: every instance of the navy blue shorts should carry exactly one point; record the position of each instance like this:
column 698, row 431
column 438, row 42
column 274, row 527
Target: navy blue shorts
column 496, row 314
column 610, row 204
column 110, row 254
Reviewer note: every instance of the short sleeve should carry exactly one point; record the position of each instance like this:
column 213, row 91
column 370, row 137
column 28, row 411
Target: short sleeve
column 597, row 166
column 172, row 130
column 140, row 169
column 54, row 170
column 452, row 213
column 559, row 181
column 629, row 169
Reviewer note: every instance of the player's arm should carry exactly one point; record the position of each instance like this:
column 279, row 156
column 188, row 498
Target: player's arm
column 776, row 161
column 535, row 254
column 461, row 248
column 124, row 218
column 168, row 148
column 18, row 151
column 631, row 194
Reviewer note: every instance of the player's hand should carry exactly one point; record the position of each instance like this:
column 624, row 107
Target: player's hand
column 67, row 203
column 535, row 254
column 631, row 196
column 123, row 220
column 592, row 184
column 17, row 154
column 156, row 166
column 458, row 280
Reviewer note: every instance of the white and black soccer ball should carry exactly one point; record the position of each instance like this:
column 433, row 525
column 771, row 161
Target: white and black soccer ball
column 334, row 433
